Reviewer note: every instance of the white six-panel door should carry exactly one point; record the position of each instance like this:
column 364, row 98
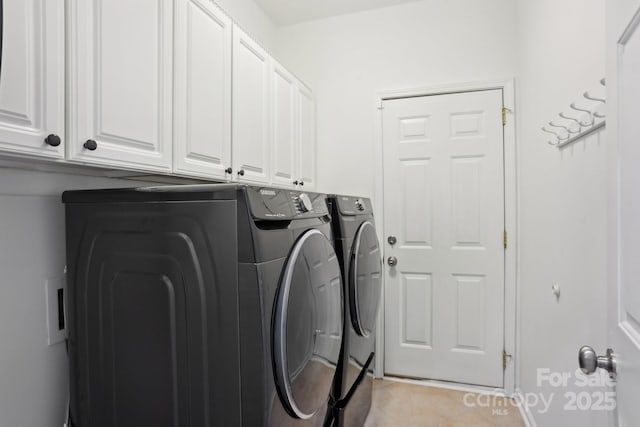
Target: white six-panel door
column 32, row 89
column 121, row 78
column 284, row 141
column 250, row 115
column 444, row 203
column 623, row 130
column 202, row 100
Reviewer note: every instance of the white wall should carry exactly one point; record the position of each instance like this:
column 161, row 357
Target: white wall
column 346, row 59
column 562, row 207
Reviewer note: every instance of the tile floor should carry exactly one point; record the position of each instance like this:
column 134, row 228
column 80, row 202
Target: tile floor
column 397, row 404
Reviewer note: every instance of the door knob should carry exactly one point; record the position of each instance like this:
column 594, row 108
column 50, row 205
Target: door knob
column 589, row 361
column 392, row 240
column 392, row 261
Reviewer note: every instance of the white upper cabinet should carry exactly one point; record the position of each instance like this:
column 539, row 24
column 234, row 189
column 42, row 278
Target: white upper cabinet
column 283, row 127
column 307, row 138
column 120, row 77
column 202, row 96
column 32, row 79
column 250, row 115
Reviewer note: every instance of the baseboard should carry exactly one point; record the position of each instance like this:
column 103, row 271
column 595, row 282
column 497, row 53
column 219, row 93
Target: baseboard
column 447, row 385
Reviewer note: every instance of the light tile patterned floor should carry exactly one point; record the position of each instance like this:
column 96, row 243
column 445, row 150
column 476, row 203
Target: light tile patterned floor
column 398, row 404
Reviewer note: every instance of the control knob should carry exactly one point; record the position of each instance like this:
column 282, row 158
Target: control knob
column 304, row 202
column 359, row 205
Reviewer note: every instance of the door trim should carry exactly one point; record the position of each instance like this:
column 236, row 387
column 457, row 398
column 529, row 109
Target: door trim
column 512, row 299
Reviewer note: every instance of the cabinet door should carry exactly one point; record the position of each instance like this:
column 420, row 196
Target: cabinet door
column 307, row 138
column 250, row 109
column 32, row 78
column 283, row 132
column 202, row 96
column 120, row 72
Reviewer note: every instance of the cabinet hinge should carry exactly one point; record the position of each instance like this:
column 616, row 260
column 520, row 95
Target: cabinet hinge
column 504, row 239
column 505, row 359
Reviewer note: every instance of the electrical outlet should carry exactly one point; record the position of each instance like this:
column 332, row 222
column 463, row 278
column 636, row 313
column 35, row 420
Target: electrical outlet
column 56, row 316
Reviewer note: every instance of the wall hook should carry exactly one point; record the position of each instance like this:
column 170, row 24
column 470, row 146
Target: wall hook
column 582, row 121
column 591, row 119
column 573, row 120
column 562, row 127
column 592, row 98
column 544, row 129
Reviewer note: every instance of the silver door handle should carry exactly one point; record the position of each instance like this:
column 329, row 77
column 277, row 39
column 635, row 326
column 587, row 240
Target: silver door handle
column 392, row 261
column 589, row 361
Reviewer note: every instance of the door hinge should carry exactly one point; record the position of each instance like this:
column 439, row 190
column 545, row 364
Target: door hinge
column 505, row 110
column 504, row 239
column 505, row 359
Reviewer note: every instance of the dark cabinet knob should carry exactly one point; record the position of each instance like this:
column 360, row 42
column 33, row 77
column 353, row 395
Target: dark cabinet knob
column 241, row 172
column 228, row 171
column 296, row 182
column 90, row 145
column 53, row 140
column 301, row 183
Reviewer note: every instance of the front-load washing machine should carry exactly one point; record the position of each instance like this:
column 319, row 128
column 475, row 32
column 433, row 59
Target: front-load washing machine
column 205, row 305
column 358, row 249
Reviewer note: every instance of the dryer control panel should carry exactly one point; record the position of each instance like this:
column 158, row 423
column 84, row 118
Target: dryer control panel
column 267, row 203
column 350, row 205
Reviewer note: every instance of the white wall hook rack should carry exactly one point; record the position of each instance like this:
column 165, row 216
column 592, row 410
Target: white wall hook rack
column 571, row 127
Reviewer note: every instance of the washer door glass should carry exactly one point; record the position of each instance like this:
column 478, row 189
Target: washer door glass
column 307, row 325
column 365, row 272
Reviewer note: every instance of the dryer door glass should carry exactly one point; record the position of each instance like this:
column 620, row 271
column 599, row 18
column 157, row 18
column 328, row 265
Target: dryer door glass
column 307, row 325
column 365, row 272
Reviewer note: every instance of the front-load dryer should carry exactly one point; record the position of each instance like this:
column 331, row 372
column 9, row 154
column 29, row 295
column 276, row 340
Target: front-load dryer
column 205, row 305
column 358, row 249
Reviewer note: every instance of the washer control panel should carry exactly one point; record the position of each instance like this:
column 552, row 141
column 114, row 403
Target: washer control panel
column 280, row 204
column 303, row 203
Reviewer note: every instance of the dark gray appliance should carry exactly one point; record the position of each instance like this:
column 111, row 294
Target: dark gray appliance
column 206, row 305
column 358, row 249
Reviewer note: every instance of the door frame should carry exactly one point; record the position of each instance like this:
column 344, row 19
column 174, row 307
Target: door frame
column 511, row 300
